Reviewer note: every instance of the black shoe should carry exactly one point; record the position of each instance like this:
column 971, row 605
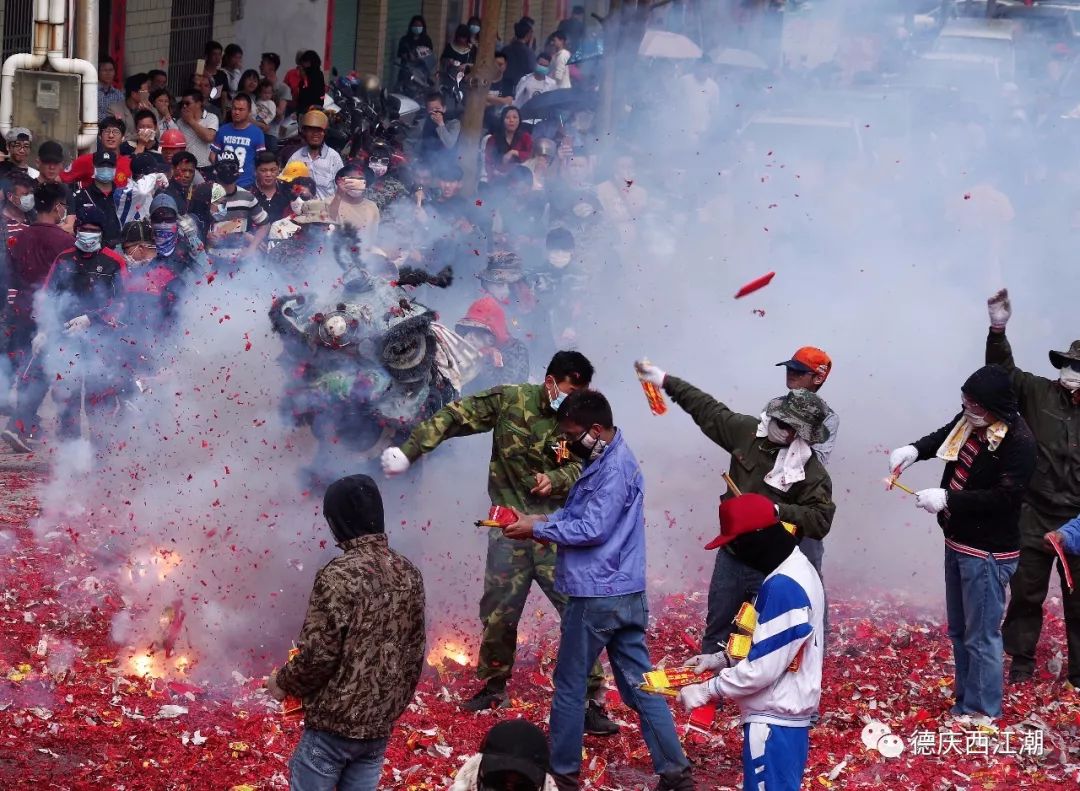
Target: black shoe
column 680, row 780
column 597, row 722
column 565, row 782
column 17, row 441
column 1020, row 674
column 486, row 699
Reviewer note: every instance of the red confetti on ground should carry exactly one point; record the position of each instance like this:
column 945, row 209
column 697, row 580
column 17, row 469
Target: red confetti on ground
column 74, row 718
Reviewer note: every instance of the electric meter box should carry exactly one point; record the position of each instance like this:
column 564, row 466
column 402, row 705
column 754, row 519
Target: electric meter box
column 48, row 104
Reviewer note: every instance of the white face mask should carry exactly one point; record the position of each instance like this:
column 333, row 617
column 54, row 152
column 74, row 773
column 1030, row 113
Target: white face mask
column 378, row 168
column 976, row 421
column 26, row 202
column 559, row 258
column 779, row 436
column 1070, row 379
column 296, row 204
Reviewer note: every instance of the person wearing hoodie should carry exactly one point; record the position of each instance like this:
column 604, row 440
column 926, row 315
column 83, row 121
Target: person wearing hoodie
column 771, row 454
column 778, row 684
column 505, row 359
column 1051, row 408
column 513, row 756
column 989, row 455
column 361, row 648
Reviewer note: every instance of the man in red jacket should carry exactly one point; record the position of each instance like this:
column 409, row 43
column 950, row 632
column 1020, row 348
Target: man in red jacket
column 31, row 258
column 110, row 136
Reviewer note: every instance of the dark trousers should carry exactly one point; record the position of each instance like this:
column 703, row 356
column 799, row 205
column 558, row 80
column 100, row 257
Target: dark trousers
column 31, row 383
column 1023, row 619
column 733, row 583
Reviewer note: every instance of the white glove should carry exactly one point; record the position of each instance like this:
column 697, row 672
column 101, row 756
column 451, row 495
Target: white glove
column 902, row 458
column 38, row 343
column 932, row 500
column 1000, row 309
column 650, row 373
column 703, row 663
column 77, row 325
column 394, row 462
column 695, row 696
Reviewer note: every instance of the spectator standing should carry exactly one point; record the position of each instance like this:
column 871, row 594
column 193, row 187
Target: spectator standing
column 110, row 136
column 560, row 60
column 313, row 85
column 136, row 98
column 19, row 141
column 361, row 647
column 199, row 126
column 537, row 82
column 159, row 80
column 50, row 162
column 268, row 68
column 520, row 58
column 439, row 134
column 232, row 63
column 322, row 161
column 268, row 191
column 99, row 195
column 242, row 138
column 18, row 205
column 351, row 206
column 162, row 102
column 108, row 93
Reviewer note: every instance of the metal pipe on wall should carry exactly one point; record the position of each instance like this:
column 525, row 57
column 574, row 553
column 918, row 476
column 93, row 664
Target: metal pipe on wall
column 86, row 30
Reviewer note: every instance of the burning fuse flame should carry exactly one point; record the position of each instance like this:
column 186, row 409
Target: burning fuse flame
column 448, row 652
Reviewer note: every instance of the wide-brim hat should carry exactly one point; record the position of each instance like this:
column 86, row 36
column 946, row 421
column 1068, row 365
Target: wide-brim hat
column 1061, row 359
column 503, row 267
column 803, row 411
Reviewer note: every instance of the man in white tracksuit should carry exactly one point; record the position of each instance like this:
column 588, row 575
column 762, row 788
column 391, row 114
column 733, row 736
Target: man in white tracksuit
column 778, row 685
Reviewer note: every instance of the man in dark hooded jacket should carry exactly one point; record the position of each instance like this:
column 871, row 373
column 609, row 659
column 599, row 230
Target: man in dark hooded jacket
column 361, row 648
column 989, row 455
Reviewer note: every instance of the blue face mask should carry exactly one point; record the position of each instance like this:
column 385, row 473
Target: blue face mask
column 416, row 30
column 165, row 237
column 105, row 175
column 560, row 396
column 542, row 71
column 88, row 241
column 474, row 29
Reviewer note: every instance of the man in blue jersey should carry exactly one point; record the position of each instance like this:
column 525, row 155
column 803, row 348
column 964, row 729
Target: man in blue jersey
column 778, row 684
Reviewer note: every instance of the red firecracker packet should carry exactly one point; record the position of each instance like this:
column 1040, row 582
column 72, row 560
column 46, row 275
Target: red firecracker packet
column 1055, row 542
column 754, row 285
column 498, row 516
column 292, row 708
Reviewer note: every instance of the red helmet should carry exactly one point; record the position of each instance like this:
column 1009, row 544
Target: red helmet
column 173, row 138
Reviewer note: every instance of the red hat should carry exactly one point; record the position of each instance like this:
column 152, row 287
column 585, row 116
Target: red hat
column 741, row 515
column 809, row 359
column 487, row 314
column 173, row 138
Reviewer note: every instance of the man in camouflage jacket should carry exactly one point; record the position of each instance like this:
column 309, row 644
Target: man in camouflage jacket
column 528, row 472
column 361, row 648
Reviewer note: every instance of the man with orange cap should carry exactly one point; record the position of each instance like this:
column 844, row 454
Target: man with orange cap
column 808, row 369
column 778, row 685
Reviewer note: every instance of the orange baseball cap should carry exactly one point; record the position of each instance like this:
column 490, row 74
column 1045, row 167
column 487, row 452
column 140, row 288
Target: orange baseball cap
column 809, row 359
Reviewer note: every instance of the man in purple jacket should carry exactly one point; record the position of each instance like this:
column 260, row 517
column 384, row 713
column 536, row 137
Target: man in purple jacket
column 600, row 566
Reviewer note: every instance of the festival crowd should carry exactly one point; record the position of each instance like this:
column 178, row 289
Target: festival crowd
column 236, row 172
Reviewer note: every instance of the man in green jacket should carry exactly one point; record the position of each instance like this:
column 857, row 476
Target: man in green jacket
column 530, row 472
column 770, row 455
column 1051, row 408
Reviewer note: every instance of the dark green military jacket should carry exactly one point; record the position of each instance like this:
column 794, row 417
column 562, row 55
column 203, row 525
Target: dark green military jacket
column 523, row 438
column 1053, row 414
column 808, row 504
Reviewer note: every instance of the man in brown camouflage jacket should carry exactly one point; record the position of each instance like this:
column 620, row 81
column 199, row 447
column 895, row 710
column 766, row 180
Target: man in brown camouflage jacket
column 528, row 472
column 361, row 648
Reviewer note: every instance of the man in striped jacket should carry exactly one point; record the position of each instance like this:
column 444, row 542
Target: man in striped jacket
column 989, row 455
column 778, row 684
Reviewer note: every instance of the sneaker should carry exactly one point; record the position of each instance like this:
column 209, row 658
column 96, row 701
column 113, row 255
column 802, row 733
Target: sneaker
column 17, row 441
column 486, row 699
column 597, row 722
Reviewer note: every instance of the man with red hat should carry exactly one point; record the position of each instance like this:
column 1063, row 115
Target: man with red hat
column 505, row 359
column 778, row 684
column 771, row 455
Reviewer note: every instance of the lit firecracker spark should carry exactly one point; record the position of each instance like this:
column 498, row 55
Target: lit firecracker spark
column 445, row 651
column 161, row 561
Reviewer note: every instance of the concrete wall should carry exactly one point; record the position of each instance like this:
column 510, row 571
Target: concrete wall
column 146, row 45
column 281, row 26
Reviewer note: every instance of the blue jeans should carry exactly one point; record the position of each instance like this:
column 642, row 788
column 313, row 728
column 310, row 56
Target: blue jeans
column 774, row 756
column 617, row 623
column 324, row 761
column 733, row 583
column 975, row 602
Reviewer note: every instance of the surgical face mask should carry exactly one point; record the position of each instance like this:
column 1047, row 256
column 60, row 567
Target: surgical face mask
column 166, row 235
column 378, row 168
column 778, row 434
column 416, row 30
column 559, row 258
column 542, row 71
column 976, row 420
column 88, row 241
column 105, row 175
column 296, row 204
column 558, row 398
column 1070, row 379
column 218, row 212
column 26, row 202
column 474, row 29
column 587, row 447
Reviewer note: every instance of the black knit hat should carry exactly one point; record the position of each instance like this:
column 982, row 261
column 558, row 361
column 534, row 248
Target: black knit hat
column 991, row 386
column 353, row 507
column 516, row 746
